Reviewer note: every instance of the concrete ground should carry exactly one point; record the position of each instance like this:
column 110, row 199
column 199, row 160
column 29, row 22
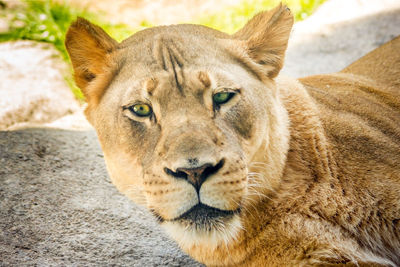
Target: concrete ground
column 57, row 205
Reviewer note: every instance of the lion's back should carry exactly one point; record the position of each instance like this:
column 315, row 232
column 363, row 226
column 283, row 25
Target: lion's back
column 362, row 121
column 360, row 108
column 360, row 114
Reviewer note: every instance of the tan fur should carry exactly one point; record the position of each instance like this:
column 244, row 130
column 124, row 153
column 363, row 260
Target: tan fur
column 308, row 170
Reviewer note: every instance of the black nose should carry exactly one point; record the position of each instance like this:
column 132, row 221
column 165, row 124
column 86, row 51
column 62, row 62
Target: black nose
column 196, row 176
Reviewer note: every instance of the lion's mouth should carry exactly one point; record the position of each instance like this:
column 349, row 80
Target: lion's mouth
column 204, row 216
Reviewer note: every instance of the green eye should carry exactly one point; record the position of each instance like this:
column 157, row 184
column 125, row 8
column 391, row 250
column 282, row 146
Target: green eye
column 141, row 110
column 222, row 97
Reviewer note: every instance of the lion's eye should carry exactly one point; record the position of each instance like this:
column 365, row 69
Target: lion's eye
column 141, row 110
column 222, row 97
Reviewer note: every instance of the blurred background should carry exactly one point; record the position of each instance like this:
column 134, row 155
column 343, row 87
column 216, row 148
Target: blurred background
column 35, row 63
column 48, row 20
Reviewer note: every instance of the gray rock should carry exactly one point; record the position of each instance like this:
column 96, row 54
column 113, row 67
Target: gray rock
column 58, row 207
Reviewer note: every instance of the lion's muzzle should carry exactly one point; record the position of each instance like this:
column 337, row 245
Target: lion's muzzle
column 196, row 175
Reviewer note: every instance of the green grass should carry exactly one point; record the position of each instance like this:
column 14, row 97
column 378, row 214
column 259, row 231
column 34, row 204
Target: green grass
column 48, row 21
column 233, row 18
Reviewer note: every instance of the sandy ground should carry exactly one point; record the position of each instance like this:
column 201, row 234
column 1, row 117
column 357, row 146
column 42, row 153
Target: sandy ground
column 57, row 206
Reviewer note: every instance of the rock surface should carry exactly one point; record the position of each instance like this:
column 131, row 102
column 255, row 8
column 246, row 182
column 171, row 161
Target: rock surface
column 57, row 206
column 32, row 88
column 339, row 33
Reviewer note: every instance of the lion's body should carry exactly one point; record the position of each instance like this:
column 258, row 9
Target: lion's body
column 286, row 173
column 340, row 199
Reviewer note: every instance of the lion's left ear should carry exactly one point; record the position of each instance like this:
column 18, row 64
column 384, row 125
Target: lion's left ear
column 90, row 49
column 265, row 38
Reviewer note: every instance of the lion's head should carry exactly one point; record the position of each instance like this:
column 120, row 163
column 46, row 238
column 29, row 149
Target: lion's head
column 188, row 119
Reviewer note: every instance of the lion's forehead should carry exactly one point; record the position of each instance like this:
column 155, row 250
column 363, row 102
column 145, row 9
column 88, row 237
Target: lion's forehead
column 181, row 32
column 170, row 51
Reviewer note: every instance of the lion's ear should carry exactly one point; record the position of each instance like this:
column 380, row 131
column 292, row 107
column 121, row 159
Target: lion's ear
column 265, row 38
column 90, row 49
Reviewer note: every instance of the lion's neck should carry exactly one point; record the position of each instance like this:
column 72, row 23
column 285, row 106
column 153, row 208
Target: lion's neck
column 309, row 147
column 297, row 153
column 268, row 162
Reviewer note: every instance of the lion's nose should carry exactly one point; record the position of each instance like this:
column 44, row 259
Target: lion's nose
column 196, row 176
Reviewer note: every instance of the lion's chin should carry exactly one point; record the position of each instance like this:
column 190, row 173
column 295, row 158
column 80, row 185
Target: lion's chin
column 204, row 226
column 205, row 218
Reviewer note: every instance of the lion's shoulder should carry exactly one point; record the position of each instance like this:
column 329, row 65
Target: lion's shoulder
column 360, row 107
column 361, row 117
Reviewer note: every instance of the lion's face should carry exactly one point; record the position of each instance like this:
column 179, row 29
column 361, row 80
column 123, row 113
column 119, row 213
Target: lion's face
column 184, row 123
column 189, row 154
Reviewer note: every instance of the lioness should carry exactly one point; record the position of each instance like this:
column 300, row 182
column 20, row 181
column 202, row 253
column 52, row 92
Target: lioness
column 240, row 167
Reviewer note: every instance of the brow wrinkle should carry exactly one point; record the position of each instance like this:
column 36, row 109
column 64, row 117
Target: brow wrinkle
column 170, row 59
column 176, row 68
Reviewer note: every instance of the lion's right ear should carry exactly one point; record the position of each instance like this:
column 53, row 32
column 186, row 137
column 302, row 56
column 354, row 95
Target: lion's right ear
column 264, row 40
column 90, row 49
